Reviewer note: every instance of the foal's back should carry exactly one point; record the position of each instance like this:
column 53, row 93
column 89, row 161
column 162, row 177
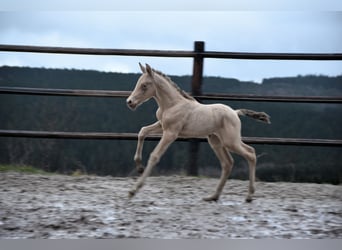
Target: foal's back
column 206, row 119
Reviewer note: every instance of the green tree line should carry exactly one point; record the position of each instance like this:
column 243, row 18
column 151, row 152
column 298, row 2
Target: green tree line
column 110, row 157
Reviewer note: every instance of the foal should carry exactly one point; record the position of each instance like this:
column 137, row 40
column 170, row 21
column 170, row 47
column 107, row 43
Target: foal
column 180, row 115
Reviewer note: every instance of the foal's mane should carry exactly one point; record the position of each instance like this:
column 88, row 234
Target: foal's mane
column 173, row 84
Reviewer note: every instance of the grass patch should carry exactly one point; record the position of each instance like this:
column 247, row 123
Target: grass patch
column 77, row 173
column 21, row 169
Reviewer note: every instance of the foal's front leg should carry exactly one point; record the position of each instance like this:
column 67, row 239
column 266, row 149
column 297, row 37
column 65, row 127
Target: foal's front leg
column 154, row 128
column 164, row 143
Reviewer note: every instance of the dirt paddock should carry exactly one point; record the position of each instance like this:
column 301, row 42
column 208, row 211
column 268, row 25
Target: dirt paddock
column 58, row 206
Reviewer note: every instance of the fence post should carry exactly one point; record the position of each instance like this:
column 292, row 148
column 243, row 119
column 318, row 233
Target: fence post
column 196, row 89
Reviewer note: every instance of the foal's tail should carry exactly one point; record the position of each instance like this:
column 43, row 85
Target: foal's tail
column 261, row 116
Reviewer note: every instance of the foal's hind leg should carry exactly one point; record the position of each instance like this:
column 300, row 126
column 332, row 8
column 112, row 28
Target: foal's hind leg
column 226, row 161
column 248, row 153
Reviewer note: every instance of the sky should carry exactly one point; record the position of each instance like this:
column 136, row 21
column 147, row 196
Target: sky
column 242, row 29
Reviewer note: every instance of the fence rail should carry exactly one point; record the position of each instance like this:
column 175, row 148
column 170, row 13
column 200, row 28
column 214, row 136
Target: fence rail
column 208, row 96
column 172, row 53
column 134, row 136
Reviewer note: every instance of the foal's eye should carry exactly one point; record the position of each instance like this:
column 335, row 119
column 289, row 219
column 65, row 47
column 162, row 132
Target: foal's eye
column 144, row 87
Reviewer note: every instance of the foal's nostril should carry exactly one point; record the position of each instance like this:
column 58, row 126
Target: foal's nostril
column 131, row 104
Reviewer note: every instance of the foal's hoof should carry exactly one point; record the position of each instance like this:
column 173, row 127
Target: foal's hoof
column 211, row 198
column 131, row 193
column 140, row 169
column 249, row 199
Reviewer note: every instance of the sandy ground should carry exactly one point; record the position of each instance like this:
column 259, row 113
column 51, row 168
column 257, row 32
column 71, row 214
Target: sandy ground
column 57, row 206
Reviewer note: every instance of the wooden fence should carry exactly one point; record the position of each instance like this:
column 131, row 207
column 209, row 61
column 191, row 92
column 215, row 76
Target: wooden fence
column 198, row 54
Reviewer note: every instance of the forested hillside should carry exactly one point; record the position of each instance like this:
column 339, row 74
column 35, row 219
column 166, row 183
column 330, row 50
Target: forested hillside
column 91, row 114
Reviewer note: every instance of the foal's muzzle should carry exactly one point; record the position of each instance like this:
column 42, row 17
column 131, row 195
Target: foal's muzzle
column 131, row 104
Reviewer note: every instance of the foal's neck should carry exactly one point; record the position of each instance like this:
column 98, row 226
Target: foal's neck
column 166, row 94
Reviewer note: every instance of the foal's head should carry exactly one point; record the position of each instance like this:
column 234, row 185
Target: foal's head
column 144, row 89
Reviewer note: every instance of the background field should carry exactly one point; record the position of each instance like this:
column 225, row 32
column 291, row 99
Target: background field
column 89, row 114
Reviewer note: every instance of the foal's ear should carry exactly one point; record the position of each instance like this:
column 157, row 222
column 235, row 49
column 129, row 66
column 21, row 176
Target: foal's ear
column 142, row 68
column 149, row 70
